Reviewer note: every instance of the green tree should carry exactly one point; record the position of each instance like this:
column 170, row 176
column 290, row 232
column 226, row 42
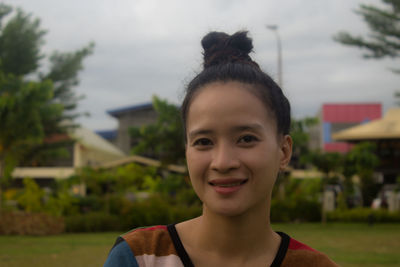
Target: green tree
column 20, row 42
column 33, row 104
column 300, row 133
column 162, row 140
column 348, row 170
column 383, row 41
column 64, row 70
column 330, row 163
column 21, row 106
column 384, row 24
column 363, row 160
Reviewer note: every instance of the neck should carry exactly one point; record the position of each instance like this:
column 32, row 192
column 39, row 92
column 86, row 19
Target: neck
column 244, row 234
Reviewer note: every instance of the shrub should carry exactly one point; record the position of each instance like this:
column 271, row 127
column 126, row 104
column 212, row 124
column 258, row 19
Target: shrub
column 156, row 210
column 91, row 203
column 307, row 210
column 24, row 223
column 183, row 212
column 295, row 209
column 280, row 211
column 125, row 215
column 363, row 215
column 150, row 211
column 31, row 196
column 187, row 196
column 92, row 222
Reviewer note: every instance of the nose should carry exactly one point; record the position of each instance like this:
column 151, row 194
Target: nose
column 224, row 158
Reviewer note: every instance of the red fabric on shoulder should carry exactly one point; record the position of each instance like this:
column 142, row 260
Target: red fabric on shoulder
column 156, row 227
column 295, row 245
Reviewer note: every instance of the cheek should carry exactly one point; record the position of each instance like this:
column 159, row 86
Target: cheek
column 197, row 167
column 197, row 163
column 264, row 163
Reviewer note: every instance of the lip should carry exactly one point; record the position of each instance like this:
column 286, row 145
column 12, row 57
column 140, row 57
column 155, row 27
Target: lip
column 227, row 186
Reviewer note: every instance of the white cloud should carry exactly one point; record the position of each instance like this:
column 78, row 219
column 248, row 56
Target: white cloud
column 147, row 47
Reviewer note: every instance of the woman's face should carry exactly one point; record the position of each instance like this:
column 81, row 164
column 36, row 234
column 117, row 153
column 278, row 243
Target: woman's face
column 233, row 151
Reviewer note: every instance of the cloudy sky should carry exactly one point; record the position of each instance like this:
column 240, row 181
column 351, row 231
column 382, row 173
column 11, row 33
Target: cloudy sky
column 147, row 47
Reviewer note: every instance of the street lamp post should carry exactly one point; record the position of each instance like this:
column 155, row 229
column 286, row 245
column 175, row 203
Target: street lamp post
column 274, row 28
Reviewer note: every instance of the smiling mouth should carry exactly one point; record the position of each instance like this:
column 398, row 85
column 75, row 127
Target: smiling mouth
column 227, row 184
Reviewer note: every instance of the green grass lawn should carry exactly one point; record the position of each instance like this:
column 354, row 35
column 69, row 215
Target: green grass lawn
column 347, row 244
column 351, row 244
column 62, row 250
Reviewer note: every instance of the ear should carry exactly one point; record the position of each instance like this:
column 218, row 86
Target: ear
column 286, row 151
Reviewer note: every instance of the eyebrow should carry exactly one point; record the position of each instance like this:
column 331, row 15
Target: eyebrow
column 199, row 132
column 238, row 128
column 253, row 126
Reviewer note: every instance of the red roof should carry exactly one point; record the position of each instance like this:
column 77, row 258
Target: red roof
column 55, row 138
column 351, row 112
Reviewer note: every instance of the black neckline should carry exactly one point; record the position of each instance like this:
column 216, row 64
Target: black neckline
column 283, row 247
column 180, row 249
column 179, row 246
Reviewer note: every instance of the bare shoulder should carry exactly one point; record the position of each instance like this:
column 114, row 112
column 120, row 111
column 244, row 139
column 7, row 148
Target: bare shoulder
column 185, row 229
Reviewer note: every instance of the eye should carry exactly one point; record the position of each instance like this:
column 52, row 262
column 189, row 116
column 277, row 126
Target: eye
column 248, row 139
column 202, row 142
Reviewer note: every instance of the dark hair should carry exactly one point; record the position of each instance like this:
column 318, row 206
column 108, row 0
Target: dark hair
column 226, row 58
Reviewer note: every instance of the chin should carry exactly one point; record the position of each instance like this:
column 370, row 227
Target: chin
column 226, row 210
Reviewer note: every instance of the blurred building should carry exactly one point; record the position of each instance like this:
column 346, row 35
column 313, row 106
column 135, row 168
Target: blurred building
column 84, row 147
column 335, row 117
column 385, row 133
column 129, row 116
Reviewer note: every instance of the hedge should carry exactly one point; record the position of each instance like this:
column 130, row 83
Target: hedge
column 152, row 211
column 25, row 223
column 295, row 209
column 364, row 215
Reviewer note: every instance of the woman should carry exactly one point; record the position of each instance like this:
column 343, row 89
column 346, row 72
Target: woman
column 236, row 122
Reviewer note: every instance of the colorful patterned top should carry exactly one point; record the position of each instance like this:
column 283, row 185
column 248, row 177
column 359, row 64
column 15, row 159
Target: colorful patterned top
column 161, row 246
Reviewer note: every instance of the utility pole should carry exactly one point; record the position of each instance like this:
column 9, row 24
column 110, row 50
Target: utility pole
column 274, row 28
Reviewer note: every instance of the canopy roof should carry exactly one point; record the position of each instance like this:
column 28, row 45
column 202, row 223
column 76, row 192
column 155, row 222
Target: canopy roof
column 90, row 139
column 386, row 128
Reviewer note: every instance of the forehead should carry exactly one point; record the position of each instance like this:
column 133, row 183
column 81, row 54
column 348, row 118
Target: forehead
column 234, row 102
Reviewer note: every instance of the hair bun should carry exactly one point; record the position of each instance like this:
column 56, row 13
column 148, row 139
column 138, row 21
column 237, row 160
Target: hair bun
column 212, row 39
column 220, row 48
